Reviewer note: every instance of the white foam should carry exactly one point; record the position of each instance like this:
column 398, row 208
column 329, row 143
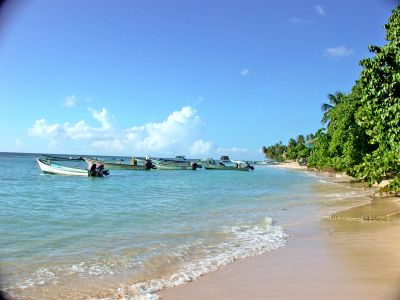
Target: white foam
column 244, row 241
column 248, row 241
column 40, row 277
column 94, row 267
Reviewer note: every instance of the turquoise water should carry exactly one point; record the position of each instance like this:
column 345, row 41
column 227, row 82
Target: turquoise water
column 135, row 232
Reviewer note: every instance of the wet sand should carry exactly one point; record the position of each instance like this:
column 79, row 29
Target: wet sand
column 355, row 254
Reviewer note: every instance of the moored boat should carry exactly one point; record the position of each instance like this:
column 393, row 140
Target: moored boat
column 49, row 167
column 120, row 165
column 211, row 164
column 179, row 163
column 161, row 166
column 225, row 159
column 52, row 157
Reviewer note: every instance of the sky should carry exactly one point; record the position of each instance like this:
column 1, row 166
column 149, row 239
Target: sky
column 176, row 77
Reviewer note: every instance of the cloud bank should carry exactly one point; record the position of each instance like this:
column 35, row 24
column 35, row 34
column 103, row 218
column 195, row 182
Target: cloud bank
column 179, row 133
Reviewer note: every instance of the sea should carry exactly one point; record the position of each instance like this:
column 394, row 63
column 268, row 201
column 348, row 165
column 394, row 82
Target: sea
column 133, row 233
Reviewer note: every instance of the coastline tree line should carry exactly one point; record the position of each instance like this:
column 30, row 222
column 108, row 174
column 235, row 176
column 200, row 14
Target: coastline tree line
column 362, row 133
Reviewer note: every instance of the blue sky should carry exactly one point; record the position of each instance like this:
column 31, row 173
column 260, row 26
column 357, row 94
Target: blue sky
column 195, row 78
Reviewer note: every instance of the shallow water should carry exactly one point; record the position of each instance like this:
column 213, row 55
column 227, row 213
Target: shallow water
column 135, row 232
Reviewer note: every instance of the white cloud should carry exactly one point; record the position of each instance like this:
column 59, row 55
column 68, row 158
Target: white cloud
column 337, row 52
column 320, row 10
column 101, row 116
column 179, row 133
column 200, row 147
column 245, row 72
column 69, row 101
column 175, row 134
column 232, row 151
column 44, row 130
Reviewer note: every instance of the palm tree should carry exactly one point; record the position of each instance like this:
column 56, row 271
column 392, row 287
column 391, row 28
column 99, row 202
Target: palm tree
column 334, row 99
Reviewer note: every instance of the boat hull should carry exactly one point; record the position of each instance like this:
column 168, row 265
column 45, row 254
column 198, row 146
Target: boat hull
column 61, row 170
column 50, row 157
column 173, row 167
column 115, row 166
column 225, row 168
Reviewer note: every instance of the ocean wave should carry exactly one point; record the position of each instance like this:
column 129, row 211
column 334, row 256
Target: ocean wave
column 94, row 268
column 242, row 241
column 248, row 241
column 195, row 259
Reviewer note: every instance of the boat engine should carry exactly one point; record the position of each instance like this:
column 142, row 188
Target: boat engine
column 250, row 166
column 98, row 171
column 195, row 165
column 149, row 164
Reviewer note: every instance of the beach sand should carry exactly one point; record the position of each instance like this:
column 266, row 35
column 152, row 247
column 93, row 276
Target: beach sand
column 289, row 165
column 355, row 254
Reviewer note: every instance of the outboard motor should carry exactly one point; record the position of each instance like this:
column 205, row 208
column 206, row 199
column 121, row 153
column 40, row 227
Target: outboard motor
column 92, row 170
column 149, row 164
column 97, row 171
column 194, row 165
column 100, row 171
column 250, row 166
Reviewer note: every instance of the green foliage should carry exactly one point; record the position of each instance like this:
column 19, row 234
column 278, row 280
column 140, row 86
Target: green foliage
column 297, row 149
column 379, row 111
column 300, row 139
column 276, row 152
column 348, row 143
column 363, row 134
column 291, row 149
column 319, row 155
column 334, row 99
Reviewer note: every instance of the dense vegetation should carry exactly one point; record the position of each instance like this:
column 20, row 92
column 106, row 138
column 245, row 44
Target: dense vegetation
column 362, row 136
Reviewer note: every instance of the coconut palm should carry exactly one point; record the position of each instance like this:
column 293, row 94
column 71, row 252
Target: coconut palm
column 334, row 99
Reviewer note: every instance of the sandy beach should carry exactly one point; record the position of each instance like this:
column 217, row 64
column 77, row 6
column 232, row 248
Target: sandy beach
column 352, row 254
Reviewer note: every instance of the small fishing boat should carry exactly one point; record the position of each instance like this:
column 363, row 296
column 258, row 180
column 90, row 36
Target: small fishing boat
column 225, row 159
column 189, row 166
column 49, row 167
column 51, row 157
column 179, row 163
column 210, row 164
column 147, row 165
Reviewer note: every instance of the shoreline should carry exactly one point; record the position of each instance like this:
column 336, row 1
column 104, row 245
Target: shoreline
column 330, row 258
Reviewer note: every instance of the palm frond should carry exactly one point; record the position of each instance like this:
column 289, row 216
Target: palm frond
column 326, row 117
column 326, row 107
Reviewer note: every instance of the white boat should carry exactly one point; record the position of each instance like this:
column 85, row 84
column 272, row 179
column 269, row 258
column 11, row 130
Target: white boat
column 51, row 168
column 48, row 167
column 210, row 164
